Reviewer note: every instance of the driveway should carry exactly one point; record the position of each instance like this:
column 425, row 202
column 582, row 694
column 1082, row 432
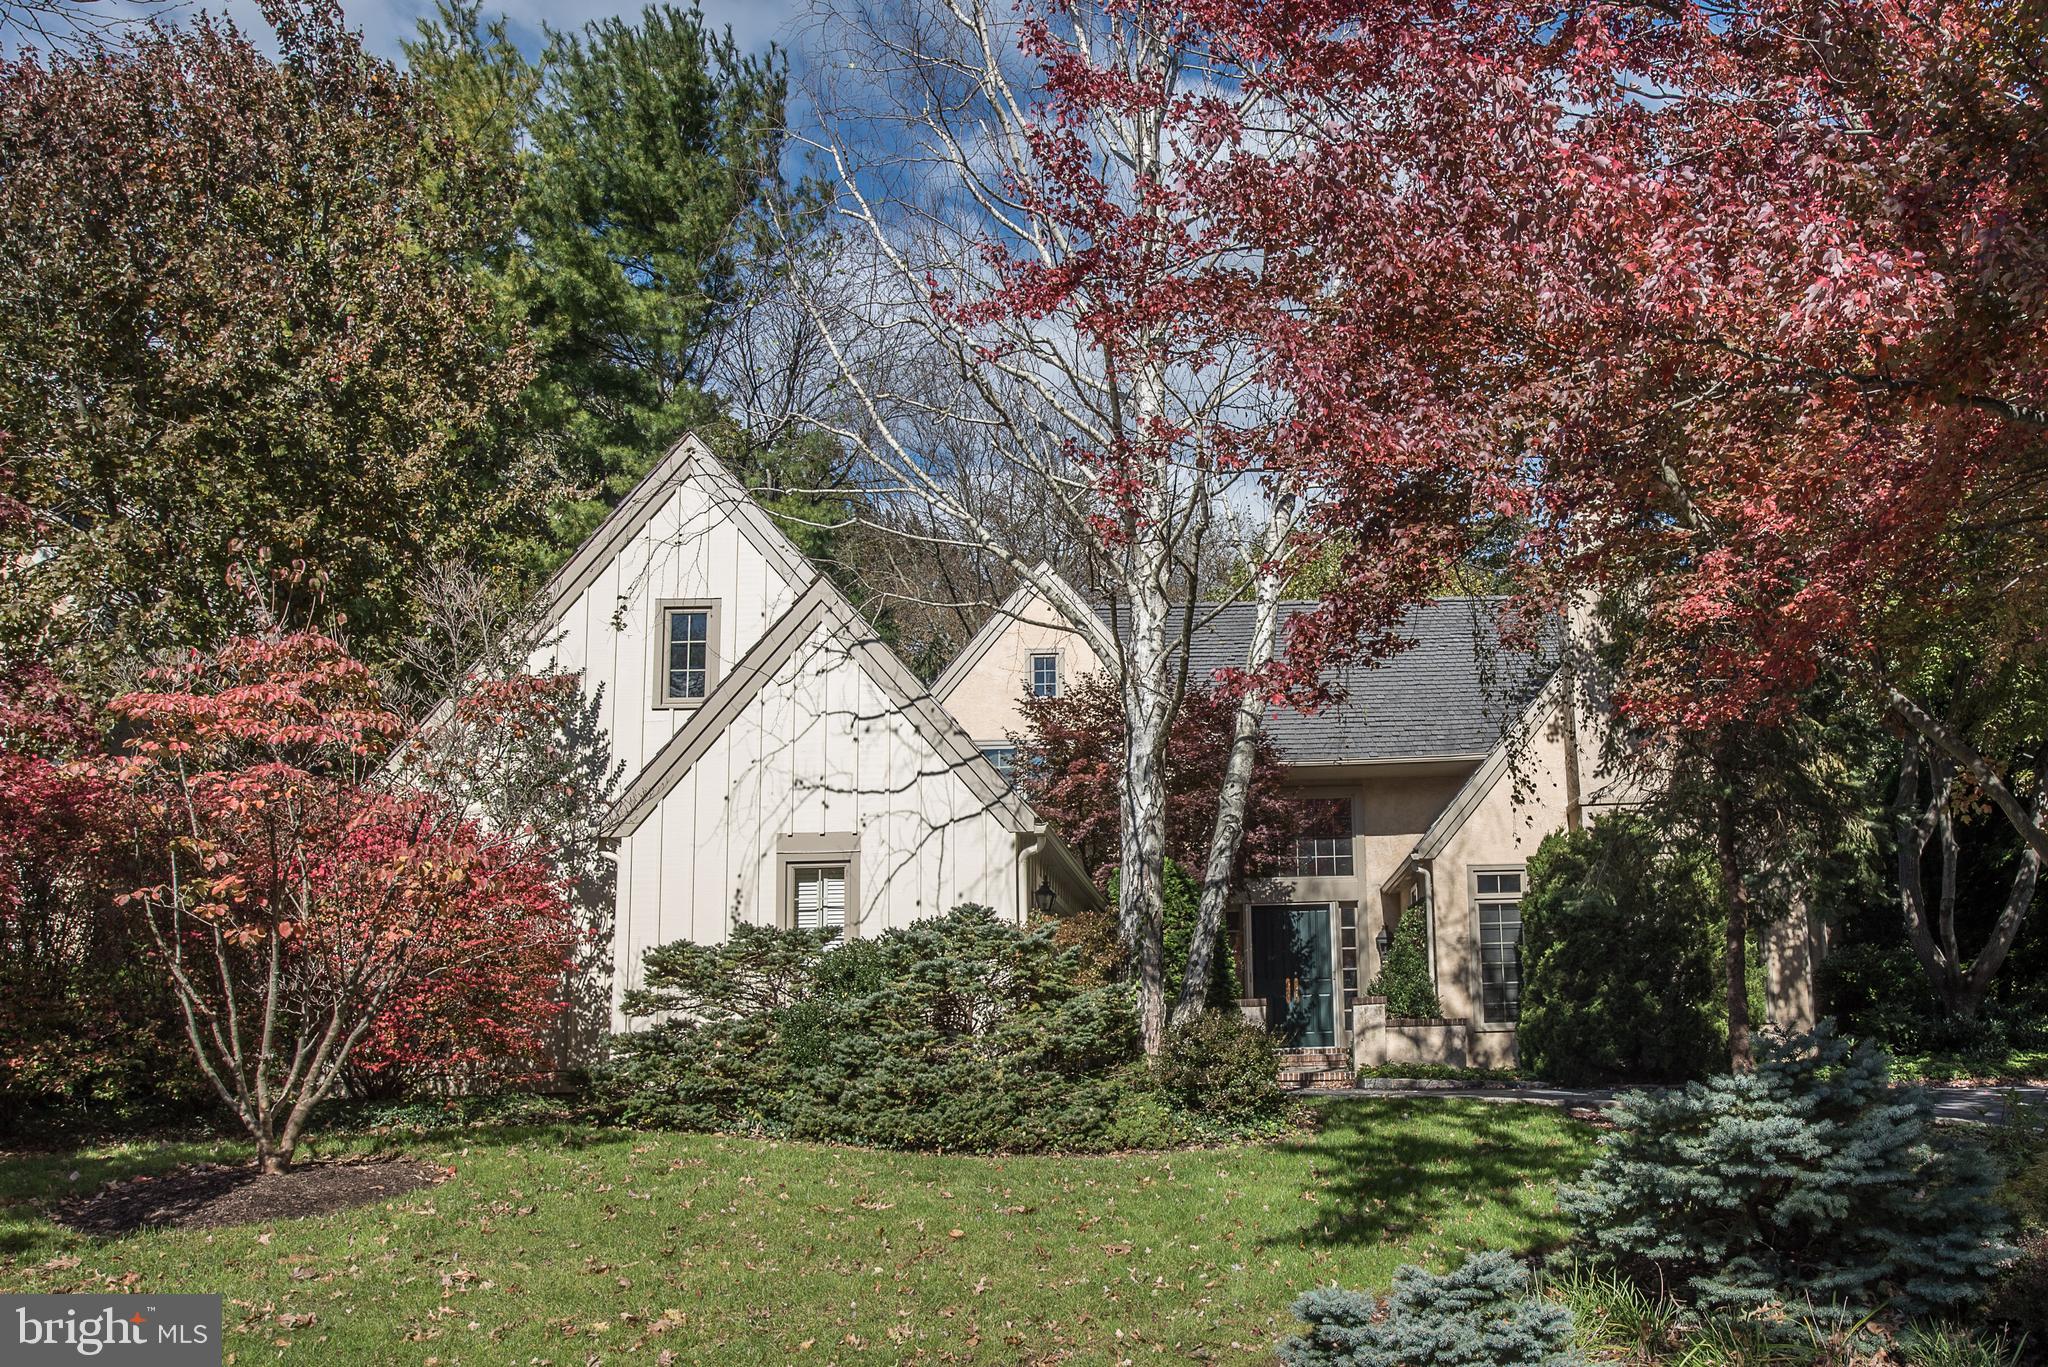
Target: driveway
column 1966, row 1104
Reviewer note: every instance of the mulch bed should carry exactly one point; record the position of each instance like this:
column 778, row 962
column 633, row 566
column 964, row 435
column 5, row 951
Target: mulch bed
column 211, row 1195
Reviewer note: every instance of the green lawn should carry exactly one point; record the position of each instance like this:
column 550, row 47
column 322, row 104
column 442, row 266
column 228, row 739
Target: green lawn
column 577, row 1245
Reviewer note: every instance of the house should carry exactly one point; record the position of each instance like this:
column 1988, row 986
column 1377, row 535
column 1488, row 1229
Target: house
column 1424, row 791
column 780, row 765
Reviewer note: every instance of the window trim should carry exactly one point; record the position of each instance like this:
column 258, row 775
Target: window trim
column 1474, row 897
column 663, row 610
column 833, row 849
column 1059, row 673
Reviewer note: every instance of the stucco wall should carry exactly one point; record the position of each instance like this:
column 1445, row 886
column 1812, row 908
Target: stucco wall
column 987, row 696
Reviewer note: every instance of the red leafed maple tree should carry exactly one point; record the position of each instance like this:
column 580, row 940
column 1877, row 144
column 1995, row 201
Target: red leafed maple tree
column 1068, row 759
column 311, row 909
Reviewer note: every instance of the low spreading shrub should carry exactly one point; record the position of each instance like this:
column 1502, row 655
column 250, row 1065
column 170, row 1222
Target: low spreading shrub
column 1223, row 1066
column 1485, row 1314
column 961, row 1032
column 1812, row 1179
column 1618, row 967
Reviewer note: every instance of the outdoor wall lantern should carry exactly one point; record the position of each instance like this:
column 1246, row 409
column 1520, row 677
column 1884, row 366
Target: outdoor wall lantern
column 1044, row 898
column 1383, row 941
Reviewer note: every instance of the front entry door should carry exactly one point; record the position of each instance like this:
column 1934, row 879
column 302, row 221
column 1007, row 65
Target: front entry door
column 1291, row 971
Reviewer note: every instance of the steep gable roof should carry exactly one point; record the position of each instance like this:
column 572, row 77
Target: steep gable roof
column 688, row 460
column 821, row 604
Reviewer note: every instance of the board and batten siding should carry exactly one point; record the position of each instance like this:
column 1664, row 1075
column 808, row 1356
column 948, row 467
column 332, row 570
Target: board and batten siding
column 691, row 548
column 822, row 749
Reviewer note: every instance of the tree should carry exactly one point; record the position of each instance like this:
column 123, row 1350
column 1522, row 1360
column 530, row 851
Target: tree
column 1805, row 421
column 1067, row 760
column 1404, row 978
column 1045, row 217
column 645, row 153
column 310, row 910
column 233, row 312
column 1618, row 957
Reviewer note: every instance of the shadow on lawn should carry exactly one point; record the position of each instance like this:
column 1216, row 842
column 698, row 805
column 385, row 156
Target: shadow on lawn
column 1395, row 1169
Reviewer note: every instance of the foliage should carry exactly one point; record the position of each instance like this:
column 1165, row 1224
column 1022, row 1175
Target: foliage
column 1484, row 1314
column 647, row 155
column 233, row 311
column 1617, row 958
column 309, row 911
column 85, row 1033
column 957, row 1032
column 1180, row 901
column 1404, row 978
column 1223, row 1066
column 1070, row 755
column 1813, row 1178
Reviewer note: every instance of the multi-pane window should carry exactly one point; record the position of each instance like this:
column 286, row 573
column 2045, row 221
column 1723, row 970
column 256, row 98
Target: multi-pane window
column 686, row 676
column 820, row 895
column 1322, row 848
column 1004, row 757
column 1499, row 898
column 1045, row 675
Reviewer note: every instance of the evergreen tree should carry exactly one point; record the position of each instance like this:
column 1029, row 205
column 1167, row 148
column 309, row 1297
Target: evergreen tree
column 1618, row 958
column 1812, row 1178
column 1404, row 978
column 648, row 154
column 1485, row 1314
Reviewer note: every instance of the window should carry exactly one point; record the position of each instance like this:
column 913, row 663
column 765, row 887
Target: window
column 1045, row 675
column 819, row 892
column 1323, row 847
column 688, row 665
column 1498, row 896
column 1004, row 757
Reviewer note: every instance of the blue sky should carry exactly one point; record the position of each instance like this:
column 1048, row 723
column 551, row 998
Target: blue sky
column 386, row 23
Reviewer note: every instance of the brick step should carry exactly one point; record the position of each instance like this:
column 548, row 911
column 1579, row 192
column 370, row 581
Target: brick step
column 1295, row 1079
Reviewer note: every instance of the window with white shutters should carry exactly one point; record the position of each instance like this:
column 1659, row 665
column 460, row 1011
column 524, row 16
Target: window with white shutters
column 820, row 892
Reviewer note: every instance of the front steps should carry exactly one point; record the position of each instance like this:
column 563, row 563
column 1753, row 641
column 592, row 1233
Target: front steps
column 1303, row 1068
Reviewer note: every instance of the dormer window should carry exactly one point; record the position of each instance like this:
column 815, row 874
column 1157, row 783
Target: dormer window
column 687, row 645
column 1045, row 674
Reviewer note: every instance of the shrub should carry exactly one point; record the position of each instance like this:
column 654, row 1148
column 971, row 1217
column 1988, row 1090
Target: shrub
column 1404, row 978
column 1618, row 967
column 1221, row 1065
column 959, row 1033
column 1485, row 1314
column 1812, row 1178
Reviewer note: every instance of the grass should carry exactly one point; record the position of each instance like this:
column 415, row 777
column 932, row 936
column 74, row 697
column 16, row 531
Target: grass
column 571, row 1245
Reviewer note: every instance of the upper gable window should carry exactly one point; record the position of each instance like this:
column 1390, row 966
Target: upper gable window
column 688, row 647
column 1045, row 675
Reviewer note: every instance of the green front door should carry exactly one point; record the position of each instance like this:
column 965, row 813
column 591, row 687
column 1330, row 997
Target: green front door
column 1291, row 971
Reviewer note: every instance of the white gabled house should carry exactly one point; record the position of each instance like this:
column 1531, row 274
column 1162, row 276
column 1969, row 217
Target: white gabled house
column 780, row 764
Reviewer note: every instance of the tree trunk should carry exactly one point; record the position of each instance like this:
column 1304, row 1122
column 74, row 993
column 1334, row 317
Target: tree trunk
column 1735, row 912
column 1227, row 836
column 1148, row 713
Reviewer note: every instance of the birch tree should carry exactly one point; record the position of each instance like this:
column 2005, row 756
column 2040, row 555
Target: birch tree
column 1045, row 209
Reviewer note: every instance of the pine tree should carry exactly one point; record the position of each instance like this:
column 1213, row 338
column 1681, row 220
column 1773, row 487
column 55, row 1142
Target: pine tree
column 1813, row 1178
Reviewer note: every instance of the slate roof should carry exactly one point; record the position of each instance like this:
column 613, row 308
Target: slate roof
column 1454, row 692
